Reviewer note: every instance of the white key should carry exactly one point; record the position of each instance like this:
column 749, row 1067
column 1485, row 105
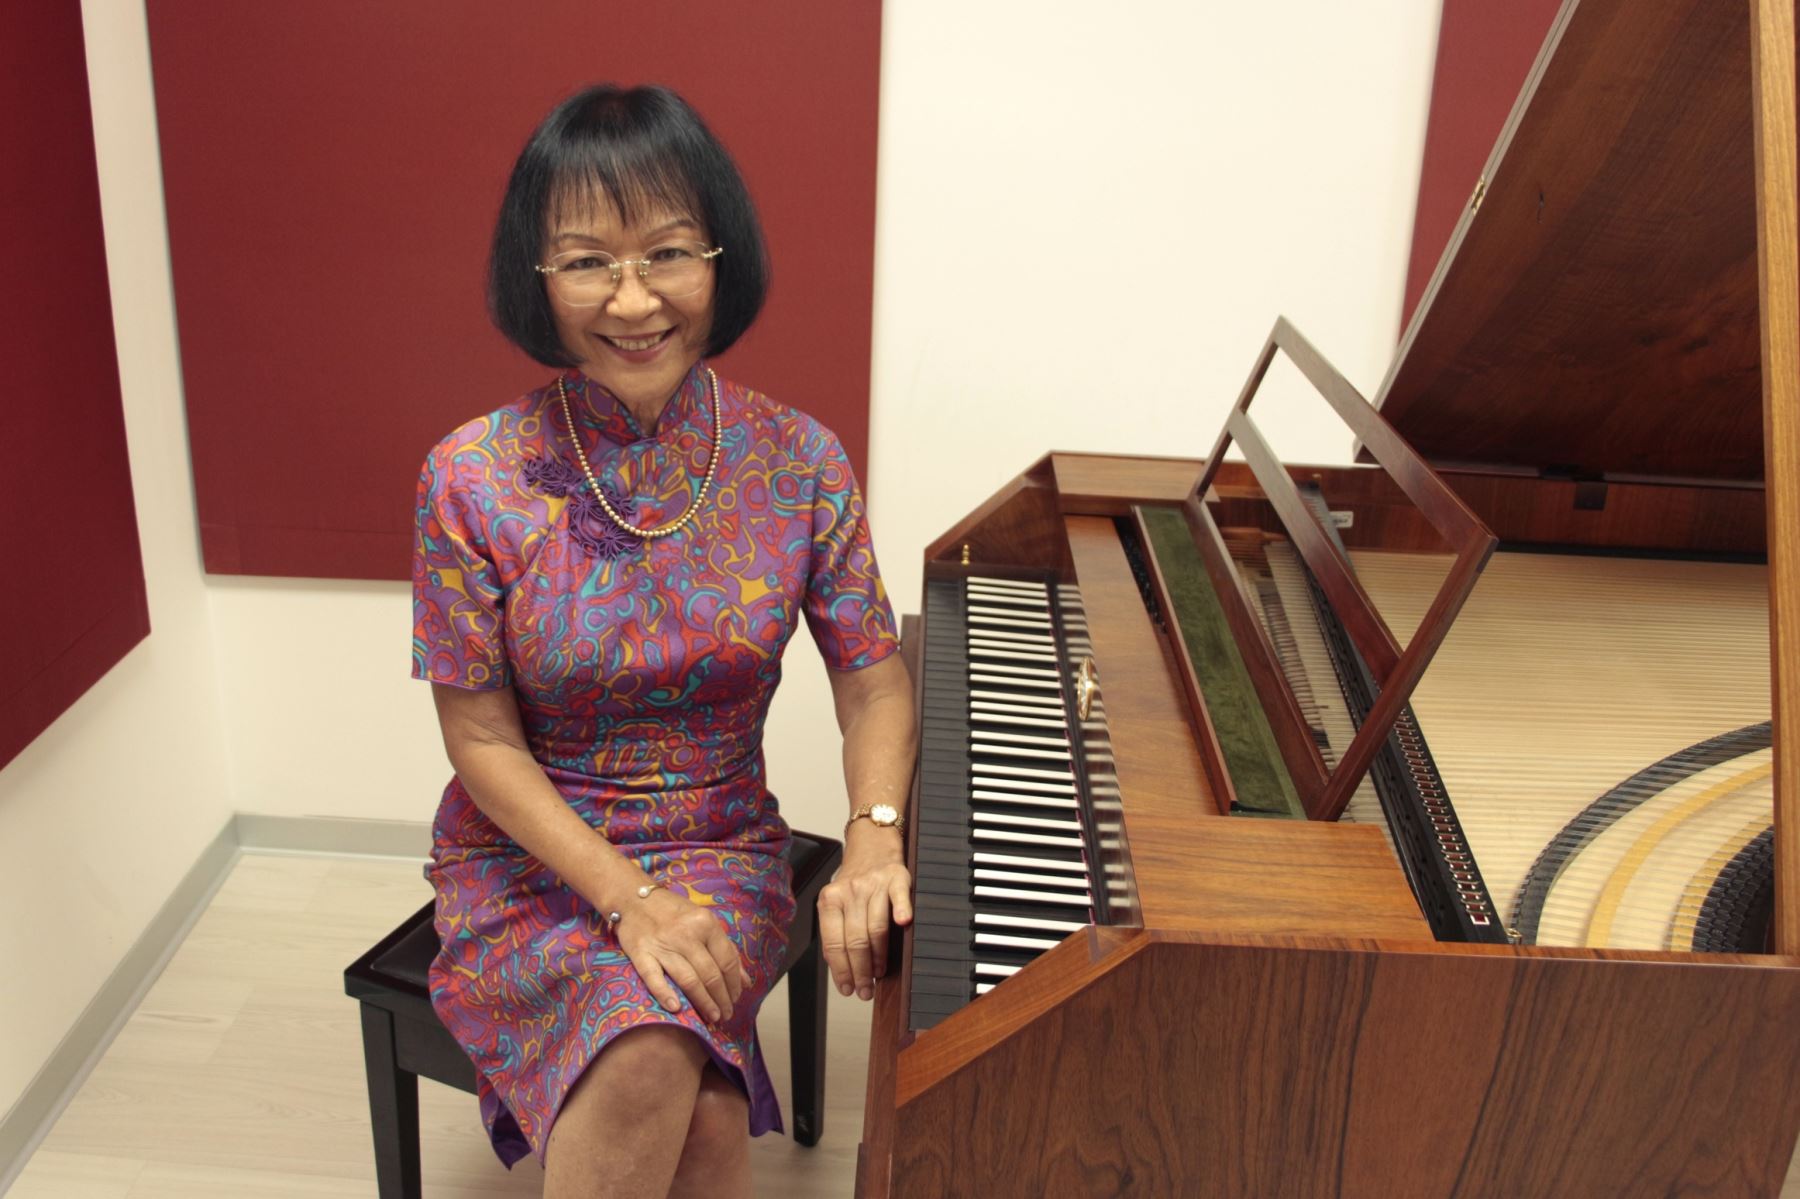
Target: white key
column 1011, row 635
column 1037, row 614
column 1014, row 860
column 1016, row 838
column 990, row 920
column 983, row 988
column 986, row 653
column 981, row 709
column 1029, row 823
column 1079, row 885
column 989, row 710
column 1034, row 673
column 1023, row 801
column 1018, row 751
column 1033, row 722
column 1063, row 900
column 1009, row 651
column 1001, row 620
column 1027, row 772
column 1027, row 739
column 1007, row 941
column 984, row 674
column 1011, row 639
column 996, row 970
column 1019, row 599
column 1034, row 704
column 1023, row 786
column 1031, row 585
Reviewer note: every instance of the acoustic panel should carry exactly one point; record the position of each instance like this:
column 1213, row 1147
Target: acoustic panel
column 75, row 602
column 333, row 170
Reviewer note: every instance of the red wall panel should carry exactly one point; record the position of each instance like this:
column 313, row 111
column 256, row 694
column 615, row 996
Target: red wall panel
column 74, row 603
column 1484, row 52
column 332, row 172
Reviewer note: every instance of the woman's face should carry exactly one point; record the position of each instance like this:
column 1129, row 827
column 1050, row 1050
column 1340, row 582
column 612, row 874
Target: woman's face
column 637, row 344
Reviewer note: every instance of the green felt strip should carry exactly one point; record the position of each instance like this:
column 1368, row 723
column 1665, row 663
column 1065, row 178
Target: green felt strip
column 1251, row 756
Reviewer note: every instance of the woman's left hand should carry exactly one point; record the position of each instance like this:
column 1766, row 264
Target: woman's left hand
column 870, row 893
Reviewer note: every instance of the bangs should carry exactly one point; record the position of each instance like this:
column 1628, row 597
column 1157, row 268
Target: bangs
column 632, row 180
column 614, row 150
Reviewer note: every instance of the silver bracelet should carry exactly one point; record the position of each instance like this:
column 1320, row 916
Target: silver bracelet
column 643, row 892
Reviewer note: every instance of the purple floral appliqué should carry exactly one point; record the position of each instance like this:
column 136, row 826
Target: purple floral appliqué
column 589, row 525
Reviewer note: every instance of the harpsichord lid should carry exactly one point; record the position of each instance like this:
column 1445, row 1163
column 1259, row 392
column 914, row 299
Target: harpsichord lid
column 1596, row 308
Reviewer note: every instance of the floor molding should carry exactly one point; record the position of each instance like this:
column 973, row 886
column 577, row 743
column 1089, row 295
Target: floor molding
column 333, row 834
column 28, row 1120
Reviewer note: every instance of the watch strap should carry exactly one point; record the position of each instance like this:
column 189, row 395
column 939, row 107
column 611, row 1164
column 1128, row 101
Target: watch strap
column 867, row 811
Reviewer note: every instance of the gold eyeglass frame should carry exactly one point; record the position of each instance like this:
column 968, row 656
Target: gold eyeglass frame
column 618, row 272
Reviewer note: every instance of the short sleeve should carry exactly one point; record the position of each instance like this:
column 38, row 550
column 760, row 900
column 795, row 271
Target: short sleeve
column 458, row 626
column 846, row 605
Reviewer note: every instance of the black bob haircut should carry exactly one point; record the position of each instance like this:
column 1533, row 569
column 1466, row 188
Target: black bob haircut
column 641, row 149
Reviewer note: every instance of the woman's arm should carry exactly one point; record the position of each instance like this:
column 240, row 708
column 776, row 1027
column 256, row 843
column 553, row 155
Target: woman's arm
column 666, row 937
column 872, row 889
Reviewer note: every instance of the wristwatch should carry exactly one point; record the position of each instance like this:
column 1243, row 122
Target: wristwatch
column 882, row 815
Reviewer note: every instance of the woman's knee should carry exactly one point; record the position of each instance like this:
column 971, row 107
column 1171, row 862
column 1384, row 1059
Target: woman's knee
column 641, row 1072
column 721, row 1124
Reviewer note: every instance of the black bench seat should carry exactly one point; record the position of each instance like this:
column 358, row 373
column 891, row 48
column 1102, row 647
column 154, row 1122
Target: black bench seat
column 403, row 1040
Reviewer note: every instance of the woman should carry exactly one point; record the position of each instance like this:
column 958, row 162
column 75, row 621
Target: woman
column 607, row 572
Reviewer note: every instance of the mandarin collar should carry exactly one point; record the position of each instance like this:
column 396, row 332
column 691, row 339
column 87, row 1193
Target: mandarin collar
column 596, row 407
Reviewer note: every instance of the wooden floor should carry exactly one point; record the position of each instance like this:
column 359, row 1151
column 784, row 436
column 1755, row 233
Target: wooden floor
column 241, row 1072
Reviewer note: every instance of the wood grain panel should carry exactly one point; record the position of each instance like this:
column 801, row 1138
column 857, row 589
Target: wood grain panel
column 1016, row 526
column 1235, row 1070
column 1109, row 484
column 1271, row 878
column 1147, row 717
column 965, row 1036
column 875, row 1152
column 1778, row 260
column 1599, row 308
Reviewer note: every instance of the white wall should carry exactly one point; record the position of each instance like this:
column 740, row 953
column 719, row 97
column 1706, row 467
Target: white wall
column 1089, row 216
column 103, row 814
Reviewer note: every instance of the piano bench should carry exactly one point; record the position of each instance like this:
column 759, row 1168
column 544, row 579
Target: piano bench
column 403, row 1040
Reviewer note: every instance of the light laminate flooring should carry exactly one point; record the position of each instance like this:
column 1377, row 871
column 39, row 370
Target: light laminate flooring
column 240, row 1074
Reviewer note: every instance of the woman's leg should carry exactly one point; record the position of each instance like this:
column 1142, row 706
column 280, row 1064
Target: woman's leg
column 715, row 1161
column 622, row 1129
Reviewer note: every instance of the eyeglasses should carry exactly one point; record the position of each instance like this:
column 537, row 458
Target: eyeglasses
column 588, row 278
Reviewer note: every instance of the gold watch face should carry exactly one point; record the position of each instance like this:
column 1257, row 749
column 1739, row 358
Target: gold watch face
column 884, row 813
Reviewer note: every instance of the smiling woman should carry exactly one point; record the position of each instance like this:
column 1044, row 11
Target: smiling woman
column 606, row 573
column 623, row 173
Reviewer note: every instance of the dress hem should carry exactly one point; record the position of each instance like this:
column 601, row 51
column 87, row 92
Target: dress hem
column 512, row 1146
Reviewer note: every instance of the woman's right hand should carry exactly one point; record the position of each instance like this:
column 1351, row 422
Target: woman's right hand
column 674, row 943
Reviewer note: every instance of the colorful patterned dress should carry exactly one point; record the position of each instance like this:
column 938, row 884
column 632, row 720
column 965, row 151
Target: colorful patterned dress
column 643, row 673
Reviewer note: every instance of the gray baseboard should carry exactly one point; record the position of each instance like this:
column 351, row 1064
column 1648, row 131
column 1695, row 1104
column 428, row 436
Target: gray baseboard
column 28, row 1120
column 333, row 834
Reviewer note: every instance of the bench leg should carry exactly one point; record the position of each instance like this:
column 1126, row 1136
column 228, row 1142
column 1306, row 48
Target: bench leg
column 393, row 1108
column 807, row 983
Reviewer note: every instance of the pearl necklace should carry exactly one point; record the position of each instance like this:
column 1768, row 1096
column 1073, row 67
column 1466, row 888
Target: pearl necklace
column 712, row 464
